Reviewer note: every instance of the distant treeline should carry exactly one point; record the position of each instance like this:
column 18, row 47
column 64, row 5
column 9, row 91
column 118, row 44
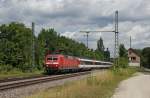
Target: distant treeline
column 16, row 47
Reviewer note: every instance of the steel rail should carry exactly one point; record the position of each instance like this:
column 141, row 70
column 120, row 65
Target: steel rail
column 10, row 79
column 39, row 80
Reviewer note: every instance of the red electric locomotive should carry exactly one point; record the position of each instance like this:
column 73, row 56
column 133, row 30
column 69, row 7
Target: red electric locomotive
column 58, row 62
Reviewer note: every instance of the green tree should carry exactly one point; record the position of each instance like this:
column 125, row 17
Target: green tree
column 123, row 62
column 122, row 51
column 123, row 58
column 16, row 45
column 107, row 55
column 47, row 41
column 146, row 57
column 100, row 45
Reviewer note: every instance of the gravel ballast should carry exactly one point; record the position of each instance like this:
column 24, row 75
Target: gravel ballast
column 28, row 90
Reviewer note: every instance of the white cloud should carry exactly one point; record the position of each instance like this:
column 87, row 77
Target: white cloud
column 68, row 34
column 70, row 16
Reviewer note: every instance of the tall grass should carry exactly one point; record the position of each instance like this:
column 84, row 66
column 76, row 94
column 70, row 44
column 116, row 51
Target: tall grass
column 97, row 85
column 14, row 72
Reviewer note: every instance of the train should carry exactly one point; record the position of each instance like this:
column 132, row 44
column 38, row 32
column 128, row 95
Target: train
column 59, row 62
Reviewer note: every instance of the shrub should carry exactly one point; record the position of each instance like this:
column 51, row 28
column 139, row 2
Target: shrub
column 5, row 68
column 123, row 62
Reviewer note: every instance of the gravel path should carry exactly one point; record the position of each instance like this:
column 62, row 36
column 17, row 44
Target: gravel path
column 134, row 87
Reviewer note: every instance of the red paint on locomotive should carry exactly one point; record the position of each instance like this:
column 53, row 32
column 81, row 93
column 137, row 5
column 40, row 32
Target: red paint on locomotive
column 61, row 62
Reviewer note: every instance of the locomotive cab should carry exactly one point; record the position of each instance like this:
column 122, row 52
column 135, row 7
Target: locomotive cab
column 52, row 62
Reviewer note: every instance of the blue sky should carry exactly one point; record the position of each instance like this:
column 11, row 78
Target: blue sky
column 68, row 17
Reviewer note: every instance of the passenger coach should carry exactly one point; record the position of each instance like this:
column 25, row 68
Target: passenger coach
column 87, row 63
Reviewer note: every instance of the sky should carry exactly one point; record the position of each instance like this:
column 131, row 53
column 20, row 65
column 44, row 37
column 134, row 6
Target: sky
column 69, row 17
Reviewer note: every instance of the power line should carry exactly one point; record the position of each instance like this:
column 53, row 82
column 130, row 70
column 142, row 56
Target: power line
column 116, row 49
column 87, row 34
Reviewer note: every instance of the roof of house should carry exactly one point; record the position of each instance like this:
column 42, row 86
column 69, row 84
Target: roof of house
column 135, row 51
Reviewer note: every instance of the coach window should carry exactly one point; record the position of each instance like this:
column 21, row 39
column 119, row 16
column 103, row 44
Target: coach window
column 103, row 63
column 83, row 63
column 88, row 63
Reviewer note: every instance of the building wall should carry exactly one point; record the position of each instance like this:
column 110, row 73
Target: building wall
column 134, row 59
column 134, row 64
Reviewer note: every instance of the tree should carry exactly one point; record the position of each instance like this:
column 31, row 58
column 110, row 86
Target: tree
column 146, row 57
column 107, row 55
column 100, row 45
column 16, row 46
column 122, row 51
column 123, row 58
column 47, row 42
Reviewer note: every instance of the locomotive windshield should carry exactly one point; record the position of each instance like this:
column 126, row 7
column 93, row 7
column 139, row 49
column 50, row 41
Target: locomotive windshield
column 55, row 58
column 52, row 58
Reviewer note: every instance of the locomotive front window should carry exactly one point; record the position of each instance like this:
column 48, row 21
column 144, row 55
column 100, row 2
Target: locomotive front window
column 55, row 59
column 49, row 58
column 52, row 58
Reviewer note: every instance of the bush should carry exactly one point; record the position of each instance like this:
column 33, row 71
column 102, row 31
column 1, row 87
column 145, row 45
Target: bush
column 123, row 62
column 5, row 68
column 26, row 68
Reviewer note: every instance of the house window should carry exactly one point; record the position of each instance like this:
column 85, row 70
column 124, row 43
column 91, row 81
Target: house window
column 133, row 58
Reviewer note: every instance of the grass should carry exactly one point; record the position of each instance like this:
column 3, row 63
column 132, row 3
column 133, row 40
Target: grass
column 97, row 85
column 18, row 73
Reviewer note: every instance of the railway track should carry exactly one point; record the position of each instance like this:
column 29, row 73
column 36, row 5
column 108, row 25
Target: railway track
column 19, row 78
column 26, row 82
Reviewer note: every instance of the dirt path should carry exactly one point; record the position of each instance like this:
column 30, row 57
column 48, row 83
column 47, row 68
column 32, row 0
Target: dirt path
column 135, row 87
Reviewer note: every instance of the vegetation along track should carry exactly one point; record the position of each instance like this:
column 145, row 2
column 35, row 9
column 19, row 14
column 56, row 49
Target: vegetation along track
column 26, row 82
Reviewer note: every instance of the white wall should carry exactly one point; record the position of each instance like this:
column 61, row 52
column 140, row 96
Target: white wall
column 134, row 64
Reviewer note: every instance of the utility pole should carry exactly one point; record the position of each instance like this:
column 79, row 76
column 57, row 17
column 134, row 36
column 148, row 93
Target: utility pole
column 130, row 41
column 87, row 38
column 33, row 46
column 116, row 50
